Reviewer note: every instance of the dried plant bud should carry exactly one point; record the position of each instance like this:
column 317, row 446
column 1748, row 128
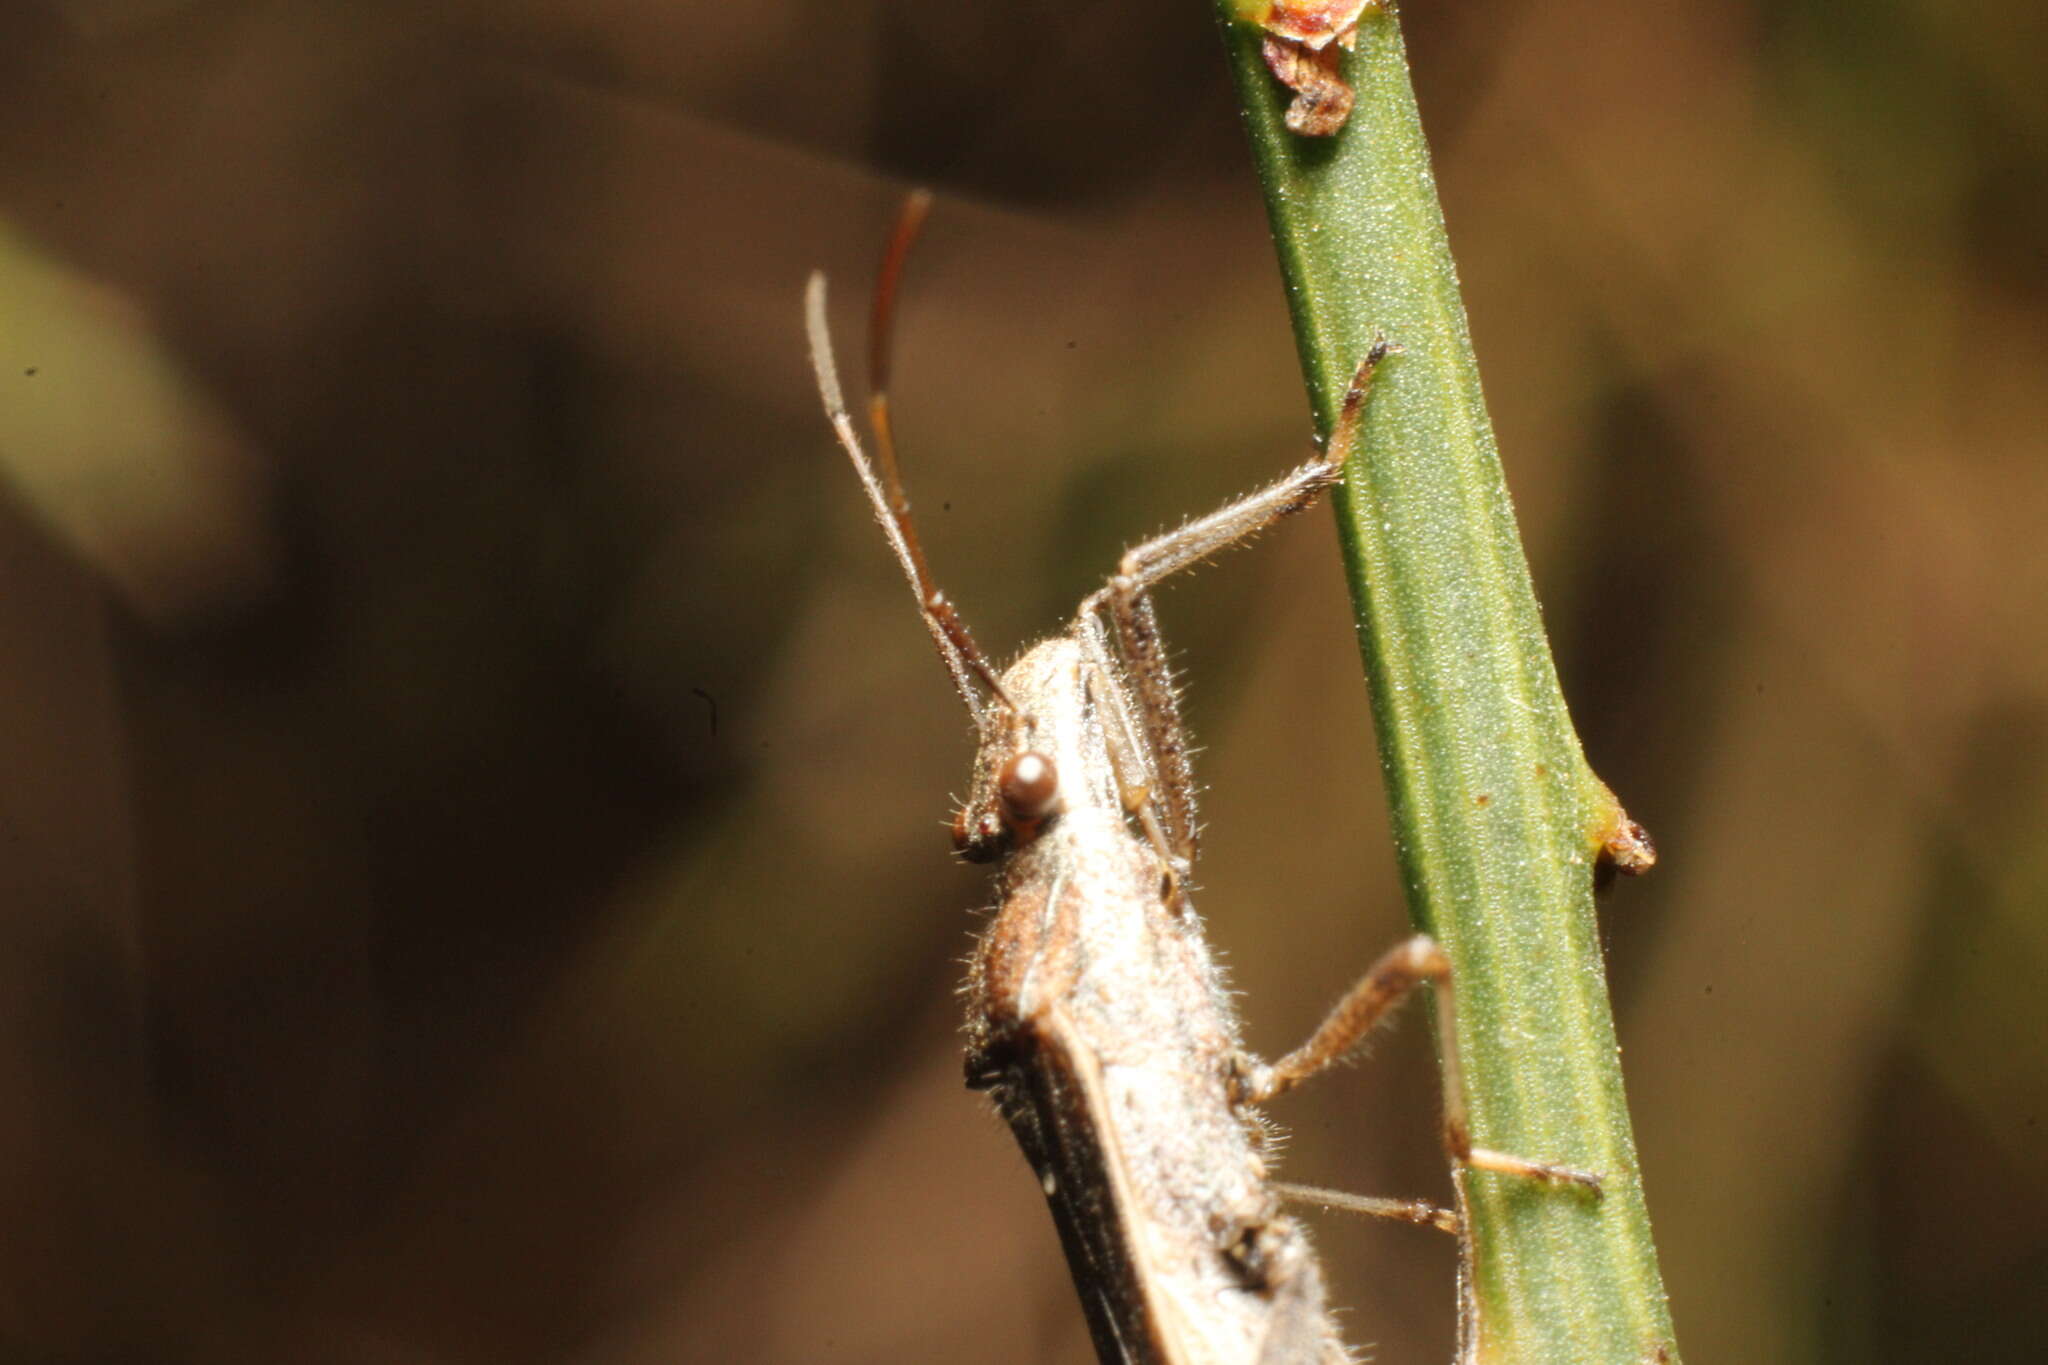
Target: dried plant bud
column 1312, row 23
column 1322, row 97
column 1629, row 850
column 1304, row 49
column 1619, row 844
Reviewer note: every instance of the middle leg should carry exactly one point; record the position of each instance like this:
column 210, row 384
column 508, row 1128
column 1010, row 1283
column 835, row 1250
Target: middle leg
column 1385, row 984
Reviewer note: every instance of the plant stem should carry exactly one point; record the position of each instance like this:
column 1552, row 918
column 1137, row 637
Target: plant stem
column 1497, row 818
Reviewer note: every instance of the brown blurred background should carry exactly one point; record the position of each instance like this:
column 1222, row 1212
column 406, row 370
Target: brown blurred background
column 472, row 885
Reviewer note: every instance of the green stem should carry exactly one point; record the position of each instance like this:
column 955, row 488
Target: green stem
column 1497, row 818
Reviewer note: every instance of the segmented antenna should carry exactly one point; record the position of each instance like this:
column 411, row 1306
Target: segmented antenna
column 955, row 643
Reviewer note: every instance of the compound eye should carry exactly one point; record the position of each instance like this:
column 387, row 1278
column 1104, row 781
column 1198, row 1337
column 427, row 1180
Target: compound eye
column 1029, row 786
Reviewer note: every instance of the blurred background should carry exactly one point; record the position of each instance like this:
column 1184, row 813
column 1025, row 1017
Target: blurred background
column 472, row 876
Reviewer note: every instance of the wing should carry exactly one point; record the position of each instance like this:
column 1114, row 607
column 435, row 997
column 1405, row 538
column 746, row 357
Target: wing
column 1050, row 1089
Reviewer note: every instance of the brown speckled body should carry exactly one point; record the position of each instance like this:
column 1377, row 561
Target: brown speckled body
column 1096, row 1016
column 1099, row 1022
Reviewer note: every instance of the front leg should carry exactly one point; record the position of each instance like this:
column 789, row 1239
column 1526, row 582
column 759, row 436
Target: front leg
column 1126, row 600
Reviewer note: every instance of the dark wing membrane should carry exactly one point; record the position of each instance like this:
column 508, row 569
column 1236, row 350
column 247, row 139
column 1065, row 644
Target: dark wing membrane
column 1051, row 1093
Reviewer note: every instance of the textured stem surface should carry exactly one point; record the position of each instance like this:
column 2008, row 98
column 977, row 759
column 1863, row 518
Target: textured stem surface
column 1497, row 819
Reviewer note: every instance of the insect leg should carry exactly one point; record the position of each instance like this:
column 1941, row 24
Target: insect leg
column 1137, row 632
column 1136, row 784
column 1126, row 597
column 1385, row 984
column 1144, row 565
column 1420, row 1212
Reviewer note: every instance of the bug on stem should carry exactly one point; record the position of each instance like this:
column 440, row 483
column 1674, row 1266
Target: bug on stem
column 1097, row 1018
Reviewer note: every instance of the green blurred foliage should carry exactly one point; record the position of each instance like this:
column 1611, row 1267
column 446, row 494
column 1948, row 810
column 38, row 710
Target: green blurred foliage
column 471, row 872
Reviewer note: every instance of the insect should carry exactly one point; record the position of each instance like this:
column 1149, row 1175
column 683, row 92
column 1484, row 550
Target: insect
column 1098, row 1020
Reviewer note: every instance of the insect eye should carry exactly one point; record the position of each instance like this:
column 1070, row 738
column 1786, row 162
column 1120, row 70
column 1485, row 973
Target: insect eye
column 1029, row 786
